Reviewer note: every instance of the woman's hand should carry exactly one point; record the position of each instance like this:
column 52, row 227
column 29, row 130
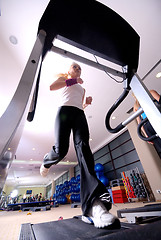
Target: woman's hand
column 88, row 100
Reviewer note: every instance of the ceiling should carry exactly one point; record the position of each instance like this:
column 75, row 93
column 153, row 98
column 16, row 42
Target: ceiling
column 18, row 23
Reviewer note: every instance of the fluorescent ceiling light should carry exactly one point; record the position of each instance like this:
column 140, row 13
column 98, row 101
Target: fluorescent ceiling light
column 158, row 75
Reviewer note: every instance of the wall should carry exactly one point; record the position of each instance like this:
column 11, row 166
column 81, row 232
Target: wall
column 8, row 189
column 117, row 156
column 64, row 177
column 35, row 190
column 22, row 190
column 149, row 159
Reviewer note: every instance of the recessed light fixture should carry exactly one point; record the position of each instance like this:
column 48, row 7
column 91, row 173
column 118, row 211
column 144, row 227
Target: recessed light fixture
column 158, row 75
column 90, row 139
column 113, row 117
column 13, row 39
column 33, row 149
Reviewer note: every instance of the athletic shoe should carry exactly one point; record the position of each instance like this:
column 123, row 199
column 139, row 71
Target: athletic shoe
column 50, row 159
column 44, row 171
column 100, row 217
column 87, row 219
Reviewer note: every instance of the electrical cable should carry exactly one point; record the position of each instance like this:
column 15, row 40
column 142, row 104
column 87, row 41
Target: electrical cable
column 108, row 73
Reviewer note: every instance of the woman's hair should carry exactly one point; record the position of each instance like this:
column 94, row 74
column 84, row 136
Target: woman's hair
column 66, row 75
column 74, row 63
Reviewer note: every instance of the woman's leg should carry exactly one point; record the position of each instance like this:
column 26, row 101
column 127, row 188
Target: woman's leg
column 62, row 134
column 91, row 187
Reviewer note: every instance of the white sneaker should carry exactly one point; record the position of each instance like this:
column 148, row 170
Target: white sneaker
column 101, row 216
column 87, row 219
column 44, row 171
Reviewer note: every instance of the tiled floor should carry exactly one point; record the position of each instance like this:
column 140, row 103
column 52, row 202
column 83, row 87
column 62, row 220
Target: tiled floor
column 10, row 222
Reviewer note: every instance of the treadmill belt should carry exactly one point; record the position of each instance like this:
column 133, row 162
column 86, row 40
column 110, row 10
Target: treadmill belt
column 75, row 229
column 70, row 229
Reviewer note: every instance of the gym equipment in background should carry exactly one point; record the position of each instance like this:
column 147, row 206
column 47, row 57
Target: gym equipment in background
column 99, row 169
column 134, row 185
column 148, row 213
column 118, row 43
column 68, row 192
column 33, row 206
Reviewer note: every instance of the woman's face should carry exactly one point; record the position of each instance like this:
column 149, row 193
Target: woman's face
column 75, row 70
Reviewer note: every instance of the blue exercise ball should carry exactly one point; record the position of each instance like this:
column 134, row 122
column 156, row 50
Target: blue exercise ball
column 54, row 195
column 65, row 191
column 99, row 167
column 72, row 189
column 61, row 193
column 63, row 200
column 78, row 188
column 66, row 184
column 99, row 174
column 78, row 178
column 77, row 197
column 72, row 197
column 104, row 180
column 73, row 180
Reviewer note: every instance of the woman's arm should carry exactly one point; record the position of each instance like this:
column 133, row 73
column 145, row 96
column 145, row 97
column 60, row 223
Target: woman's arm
column 59, row 83
column 155, row 95
column 64, row 82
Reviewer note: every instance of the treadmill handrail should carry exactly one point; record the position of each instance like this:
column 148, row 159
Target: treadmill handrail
column 144, row 138
column 112, row 109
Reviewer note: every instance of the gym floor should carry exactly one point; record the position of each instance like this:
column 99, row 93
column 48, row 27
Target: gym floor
column 10, row 221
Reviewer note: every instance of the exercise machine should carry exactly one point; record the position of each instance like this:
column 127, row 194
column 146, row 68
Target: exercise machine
column 98, row 30
column 74, row 228
column 33, row 206
column 150, row 212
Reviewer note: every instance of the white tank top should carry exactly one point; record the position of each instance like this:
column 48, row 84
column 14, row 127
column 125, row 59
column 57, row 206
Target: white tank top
column 73, row 96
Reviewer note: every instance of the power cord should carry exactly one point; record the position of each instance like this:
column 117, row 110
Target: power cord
column 108, row 73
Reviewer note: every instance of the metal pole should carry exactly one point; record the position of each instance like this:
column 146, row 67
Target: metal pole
column 146, row 102
column 91, row 63
column 133, row 116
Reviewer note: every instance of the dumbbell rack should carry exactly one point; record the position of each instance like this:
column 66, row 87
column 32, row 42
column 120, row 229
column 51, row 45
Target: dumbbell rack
column 134, row 185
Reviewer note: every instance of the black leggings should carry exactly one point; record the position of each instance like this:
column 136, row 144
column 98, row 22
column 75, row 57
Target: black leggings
column 72, row 118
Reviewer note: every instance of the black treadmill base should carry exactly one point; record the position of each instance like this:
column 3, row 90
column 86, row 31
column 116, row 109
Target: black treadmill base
column 75, row 229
